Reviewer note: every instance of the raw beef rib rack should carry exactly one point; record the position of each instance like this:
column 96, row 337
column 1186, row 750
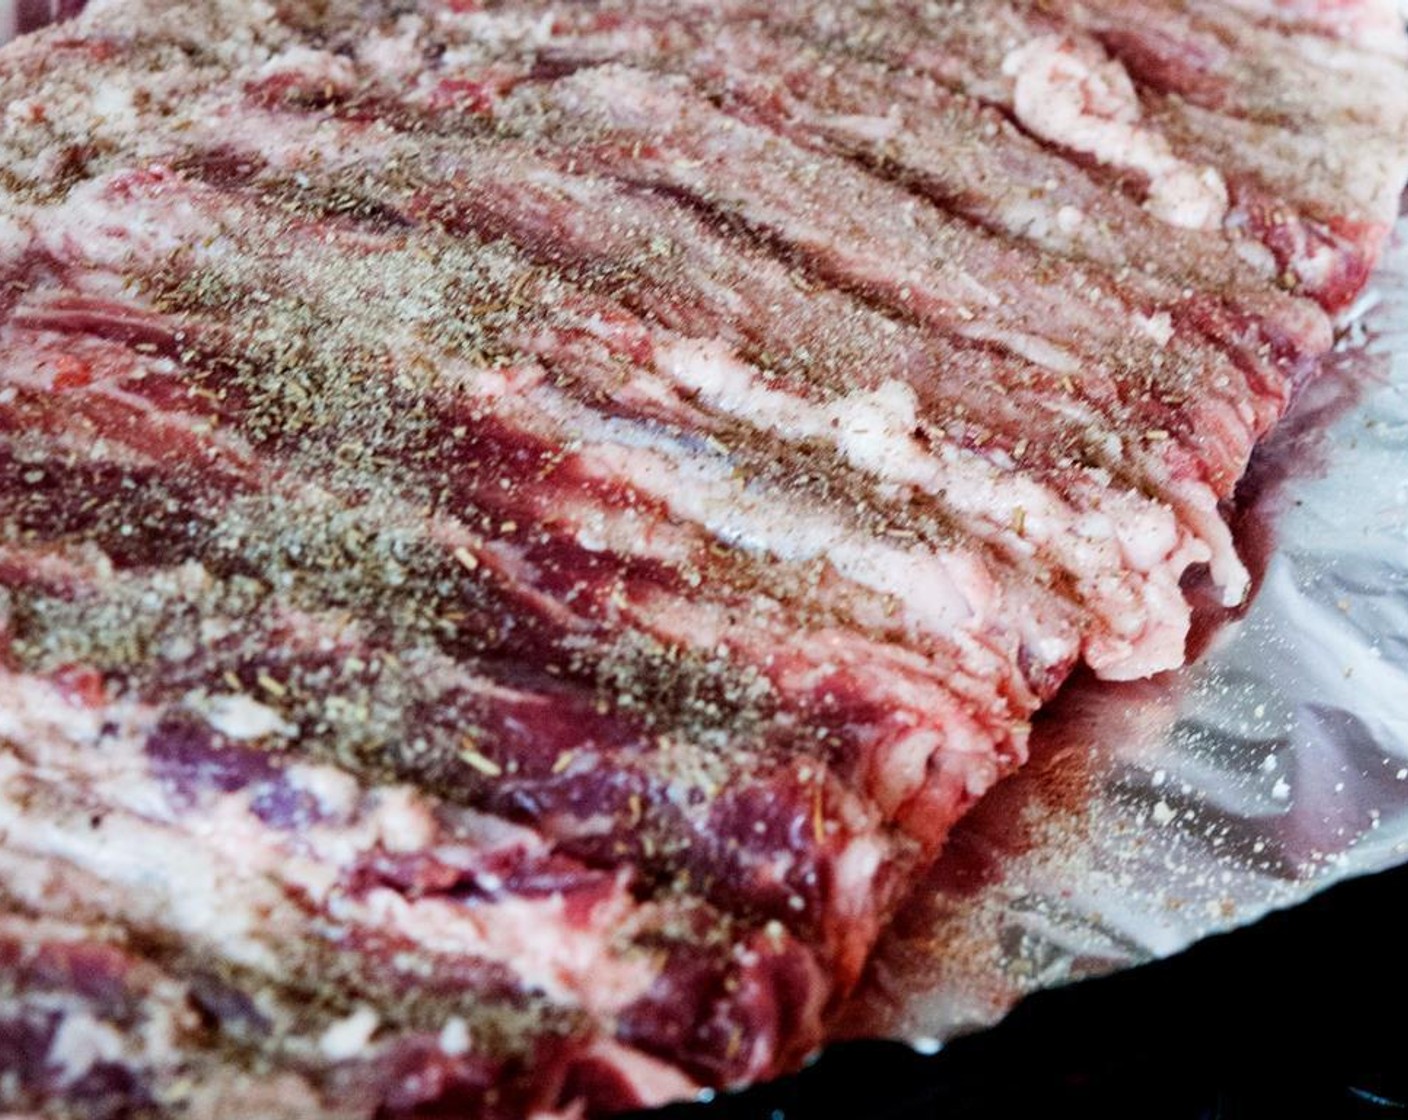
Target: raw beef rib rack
column 523, row 525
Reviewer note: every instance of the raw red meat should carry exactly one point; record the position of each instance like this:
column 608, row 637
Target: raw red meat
column 523, row 525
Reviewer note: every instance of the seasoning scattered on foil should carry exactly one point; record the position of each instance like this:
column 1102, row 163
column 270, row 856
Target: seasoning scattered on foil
column 1156, row 813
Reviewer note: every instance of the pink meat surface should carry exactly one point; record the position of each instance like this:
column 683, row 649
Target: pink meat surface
column 523, row 525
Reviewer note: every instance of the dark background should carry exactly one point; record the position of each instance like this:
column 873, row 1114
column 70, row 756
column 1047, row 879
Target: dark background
column 1304, row 1015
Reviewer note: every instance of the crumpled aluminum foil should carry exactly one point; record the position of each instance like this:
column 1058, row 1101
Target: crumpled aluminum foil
column 1156, row 813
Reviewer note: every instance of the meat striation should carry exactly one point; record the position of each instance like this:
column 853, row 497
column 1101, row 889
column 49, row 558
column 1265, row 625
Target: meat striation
column 523, row 525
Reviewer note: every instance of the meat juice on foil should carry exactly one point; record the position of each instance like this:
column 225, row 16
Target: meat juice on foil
column 1155, row 813
column 1159, row 812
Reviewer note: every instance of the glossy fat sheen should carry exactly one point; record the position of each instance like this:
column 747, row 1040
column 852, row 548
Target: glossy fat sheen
column 523, row 526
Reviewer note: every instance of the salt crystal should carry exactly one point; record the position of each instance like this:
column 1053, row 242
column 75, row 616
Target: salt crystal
column 454, row 1036
column 348, row 1037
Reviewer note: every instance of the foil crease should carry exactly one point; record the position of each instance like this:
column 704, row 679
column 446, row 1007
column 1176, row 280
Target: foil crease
column 1156, row 813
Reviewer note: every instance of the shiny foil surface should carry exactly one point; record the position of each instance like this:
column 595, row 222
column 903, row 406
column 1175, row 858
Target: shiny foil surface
column 1156, row 813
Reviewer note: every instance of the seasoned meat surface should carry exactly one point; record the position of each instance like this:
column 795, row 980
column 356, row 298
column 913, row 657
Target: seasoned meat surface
column 524, row 524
